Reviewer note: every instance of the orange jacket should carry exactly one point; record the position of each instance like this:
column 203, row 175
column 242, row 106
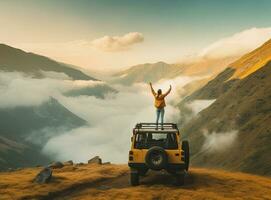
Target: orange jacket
column 159, row 101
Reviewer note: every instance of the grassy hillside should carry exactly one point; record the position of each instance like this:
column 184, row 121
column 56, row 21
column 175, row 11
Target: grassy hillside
column 12, row 59
column 252, row 61
column 112, row 182
column 17, row 154
column 244, row 107
column 21, row 121
column 242, row 104
column 239, row 69
column 37, row 122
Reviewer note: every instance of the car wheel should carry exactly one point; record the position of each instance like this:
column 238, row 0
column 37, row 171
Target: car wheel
column 143, row 171
column 185, row 148
column 179, row 178
column 134, row 178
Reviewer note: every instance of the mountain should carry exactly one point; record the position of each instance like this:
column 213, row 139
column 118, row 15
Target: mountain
column 24, row 130
column 17, row 154
column 204, row 66
column 12, row 59
column 239, row 69
column 153, row 72
column 20, row 122
column 252, row 61
column 99, row 91
column 241, row 114
column 149, row 72
column 90, row 181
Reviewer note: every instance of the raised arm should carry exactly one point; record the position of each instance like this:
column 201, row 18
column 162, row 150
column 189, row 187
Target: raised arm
column 152, row 90
column 164, row 95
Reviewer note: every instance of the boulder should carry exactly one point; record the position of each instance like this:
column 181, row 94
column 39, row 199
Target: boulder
column 79, row 164
column 70, row 162
column 44, row 176
column 96, row 160
column 56, row 165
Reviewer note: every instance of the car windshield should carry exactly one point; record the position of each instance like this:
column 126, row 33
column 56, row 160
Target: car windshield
column 148, row 140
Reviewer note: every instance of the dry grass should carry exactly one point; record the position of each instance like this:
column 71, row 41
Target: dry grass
column 252, row 61
column 112, row 182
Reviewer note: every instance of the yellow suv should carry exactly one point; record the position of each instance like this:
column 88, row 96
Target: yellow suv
column 158, row 149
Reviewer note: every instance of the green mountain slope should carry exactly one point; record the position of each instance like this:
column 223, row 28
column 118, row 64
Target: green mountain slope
column 17, row 154
column 12, row 59
column 239, row 69
column 21, row 121
column 23, row 127
column 242, row 104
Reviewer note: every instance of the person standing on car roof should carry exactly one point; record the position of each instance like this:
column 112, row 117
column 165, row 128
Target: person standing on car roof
column 159, row 104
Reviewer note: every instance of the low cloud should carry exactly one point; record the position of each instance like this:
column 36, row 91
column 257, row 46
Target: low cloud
column 198, row 105
column 19, row 89
column 218, row 142
column 111, row 119
column 178, row 84
column 237, row 44
column 117, row 43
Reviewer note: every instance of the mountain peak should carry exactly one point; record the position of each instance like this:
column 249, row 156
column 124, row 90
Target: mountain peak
column 13, row 59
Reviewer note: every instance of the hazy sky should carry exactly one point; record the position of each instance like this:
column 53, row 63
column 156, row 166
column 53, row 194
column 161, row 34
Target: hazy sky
column 109, row 34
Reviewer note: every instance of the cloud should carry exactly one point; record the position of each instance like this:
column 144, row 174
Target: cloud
column 19, row 89
column 117, row 43
column 178, row 84
column 111, row 119
column 218, row 142
column 237, row 44
column 198, row 105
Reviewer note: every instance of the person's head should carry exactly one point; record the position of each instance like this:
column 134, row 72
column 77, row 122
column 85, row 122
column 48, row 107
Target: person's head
column 159, row 92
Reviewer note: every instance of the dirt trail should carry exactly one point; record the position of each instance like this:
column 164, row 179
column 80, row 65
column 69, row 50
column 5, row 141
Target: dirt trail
column 112, row 182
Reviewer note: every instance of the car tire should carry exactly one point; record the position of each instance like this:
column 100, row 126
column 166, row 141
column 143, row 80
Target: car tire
column 185, row 148
column 134, row 178
column 179, row 179
column 143, row 171
column 156, row 158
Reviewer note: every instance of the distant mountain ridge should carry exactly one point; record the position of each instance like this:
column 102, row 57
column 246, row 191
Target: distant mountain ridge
column 148, row 72
column 24, row 129
column 154, row 72
column 12, row 59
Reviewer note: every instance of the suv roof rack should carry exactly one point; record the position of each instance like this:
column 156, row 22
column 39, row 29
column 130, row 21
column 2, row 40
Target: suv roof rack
column 147, row 127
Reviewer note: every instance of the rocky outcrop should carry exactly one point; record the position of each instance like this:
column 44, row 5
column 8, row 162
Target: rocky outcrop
column 69, row 162
column 44, row 176
column 56, row 165
column 96, row 160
